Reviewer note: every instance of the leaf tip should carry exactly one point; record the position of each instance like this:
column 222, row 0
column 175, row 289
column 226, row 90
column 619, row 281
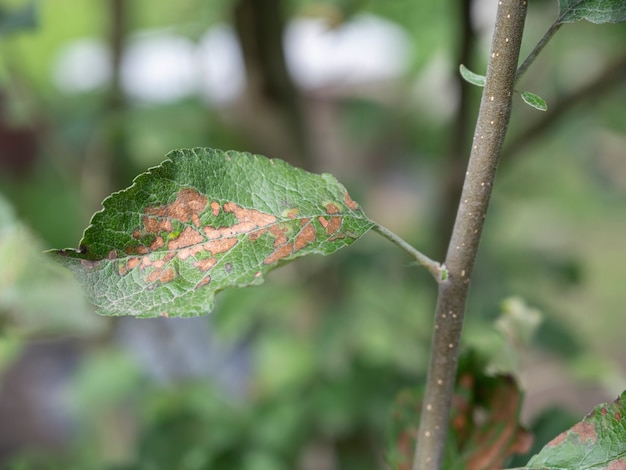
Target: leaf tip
column 471, row 77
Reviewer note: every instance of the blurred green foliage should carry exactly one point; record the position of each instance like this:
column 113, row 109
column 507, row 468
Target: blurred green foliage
column 330, row 341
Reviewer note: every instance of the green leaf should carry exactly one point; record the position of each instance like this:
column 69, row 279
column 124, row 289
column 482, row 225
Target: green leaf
column 202, row 221
column 597, row 442
column 471, row 77
column 31, row 284
column 533, row 100
column 595, row 11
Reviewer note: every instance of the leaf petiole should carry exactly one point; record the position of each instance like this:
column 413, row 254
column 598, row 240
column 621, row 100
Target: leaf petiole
column 439, row 271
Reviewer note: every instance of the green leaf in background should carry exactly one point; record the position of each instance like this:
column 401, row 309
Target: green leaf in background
column 37, row 296
column 202, row 221
column 597, row 442
column 471, row 77
column 533, row 100
column 595, row 11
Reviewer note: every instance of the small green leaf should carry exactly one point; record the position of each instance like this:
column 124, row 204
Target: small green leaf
column 533, row 100
column 597, row 442
column 202, row 221
column 471, row 77
column 595, row 11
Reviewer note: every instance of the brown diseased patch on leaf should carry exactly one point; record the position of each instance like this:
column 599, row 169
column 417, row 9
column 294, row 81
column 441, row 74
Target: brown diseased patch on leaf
column 619, row 464
column 158, row 223
column 306, row 235
column 205, row 264
column 285, row 247
column 215, row 208
column 220, row 246
column 187, row 207
column 280, row 235
column 585, row 430
column 279, row 253
column 88, row 264
column 188, row 237
column 349, row 202
column 163, row 275
column 248, row 220
column 205, row 280
column 157, row 243
column 332, row 224
column 153, row 225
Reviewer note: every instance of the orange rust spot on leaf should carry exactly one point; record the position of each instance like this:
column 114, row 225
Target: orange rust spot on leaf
column 153, row 276
column 188, row 237
column 157, row 243
column 334, row 225
column 136, row 234
column 205, row 280
column 132, row 263
column 257, row 233
column 283, row 247
column 586, row 431
column 349, row 202
column 112, row 255
column 158, row 263
column 619, row 464
column 164, row 276
column 145, row 261
column 142, row 250
column 279, row 253
column 306, row 235
column 165, row 315
column 280, row 234
column 188, row 203
column 205, row 264
column 122, row 269
column 248, row 220
column 220, row 246
column 215, row 208
column 618, row 416
column 332, row 209
column 156, row 225
column 184, row 253
column 323, row 222
column 259, row 219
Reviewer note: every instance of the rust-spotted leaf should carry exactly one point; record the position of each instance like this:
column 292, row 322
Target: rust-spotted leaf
column 597, row 442
column 202, row 221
